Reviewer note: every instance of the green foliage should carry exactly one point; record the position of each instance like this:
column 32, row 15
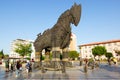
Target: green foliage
column 28, row 58
column 91, row 60
column 99, row 50
column 109, row 55
column 23, row 49
column 6, row 56
column 28, row 55
column 1, row 54
column 50, row 56
column 73, row 54
column 42, row 58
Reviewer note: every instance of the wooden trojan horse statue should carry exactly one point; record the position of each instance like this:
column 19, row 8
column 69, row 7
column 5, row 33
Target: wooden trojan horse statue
column 58, row 37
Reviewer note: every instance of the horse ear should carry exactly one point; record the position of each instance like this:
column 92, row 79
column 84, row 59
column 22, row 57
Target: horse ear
column 74, row 7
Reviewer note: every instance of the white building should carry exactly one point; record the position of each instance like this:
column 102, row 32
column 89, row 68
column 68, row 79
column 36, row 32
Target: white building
column 13, row 54
column 111, row 46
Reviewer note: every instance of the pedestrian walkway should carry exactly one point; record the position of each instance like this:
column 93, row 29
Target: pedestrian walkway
column 105, row 72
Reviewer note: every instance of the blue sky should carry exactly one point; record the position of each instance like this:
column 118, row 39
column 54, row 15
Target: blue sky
column 24, row 19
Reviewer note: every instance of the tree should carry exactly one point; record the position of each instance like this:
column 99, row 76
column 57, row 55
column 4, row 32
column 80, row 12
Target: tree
column 109, row 55
column 99, row 51
column 6, row 56
column 1, row 54
column 23, row 49
column 73, row 54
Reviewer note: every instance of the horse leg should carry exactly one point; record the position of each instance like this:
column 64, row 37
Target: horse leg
column 56, row 51
column 64, row 59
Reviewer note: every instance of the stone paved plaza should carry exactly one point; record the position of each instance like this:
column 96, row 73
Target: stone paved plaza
column 104, row 72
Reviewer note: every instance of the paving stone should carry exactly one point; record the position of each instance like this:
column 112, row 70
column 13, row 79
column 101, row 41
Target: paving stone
column 104, row 72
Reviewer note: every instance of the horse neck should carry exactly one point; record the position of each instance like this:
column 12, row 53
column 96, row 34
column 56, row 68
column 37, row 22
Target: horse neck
column 65, row 19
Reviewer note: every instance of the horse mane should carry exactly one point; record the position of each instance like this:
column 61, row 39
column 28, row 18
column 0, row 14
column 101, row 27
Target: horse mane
column 64, row 15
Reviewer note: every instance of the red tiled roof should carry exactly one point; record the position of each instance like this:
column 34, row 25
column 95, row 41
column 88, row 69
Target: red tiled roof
column 96, row 43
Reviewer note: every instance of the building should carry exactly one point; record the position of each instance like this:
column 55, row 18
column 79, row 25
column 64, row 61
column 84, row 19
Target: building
column 73, row 45
column 13, row 54
column 111, row 46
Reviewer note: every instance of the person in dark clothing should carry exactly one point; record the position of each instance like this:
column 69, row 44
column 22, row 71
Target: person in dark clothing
column 30, row 67
column 17, row 68
column 12, row 66
column 18, row 65
column 7, row 65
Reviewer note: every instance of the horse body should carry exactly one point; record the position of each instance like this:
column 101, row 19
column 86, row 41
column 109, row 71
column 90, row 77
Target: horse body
column 55, row 37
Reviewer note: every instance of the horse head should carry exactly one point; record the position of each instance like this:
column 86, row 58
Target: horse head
column 75, row 12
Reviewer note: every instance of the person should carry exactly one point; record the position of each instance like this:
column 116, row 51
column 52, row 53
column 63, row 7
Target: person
column 12, row 66
column 27, row 66
column 32, row 64
column 7, row 65
column 86, row 64
column 81, row 61
column 20, row 62
column 86, row 61
column 30, row 67
column 17, row 68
